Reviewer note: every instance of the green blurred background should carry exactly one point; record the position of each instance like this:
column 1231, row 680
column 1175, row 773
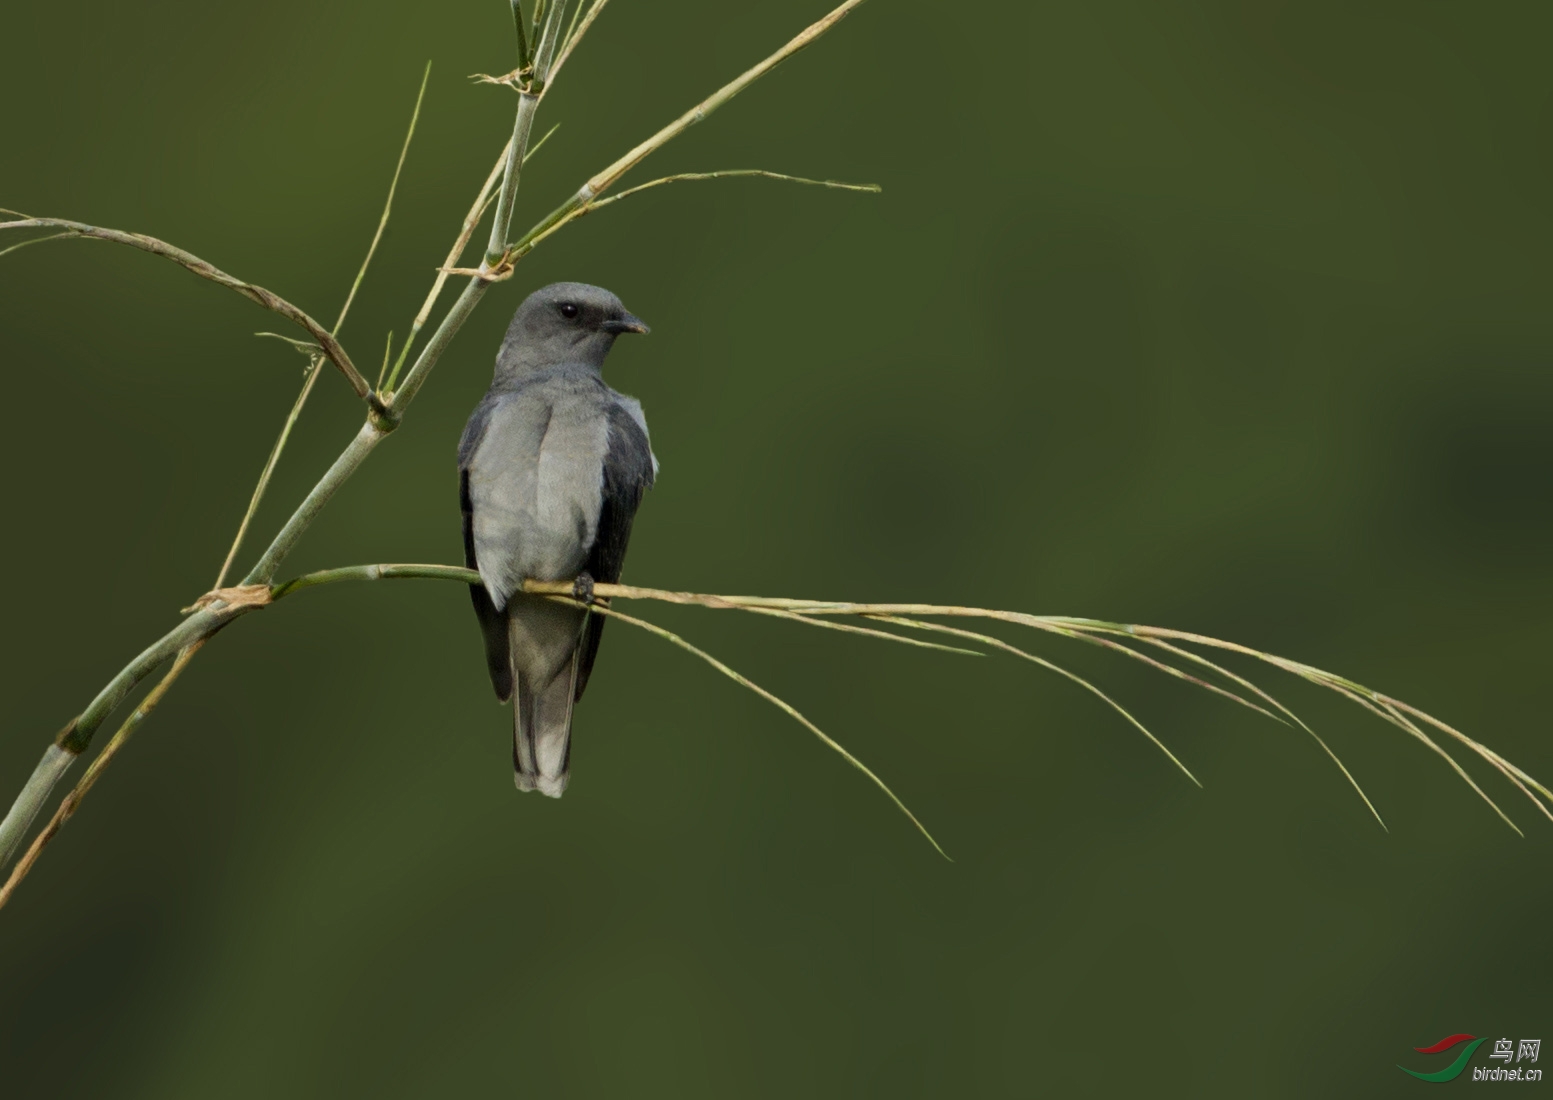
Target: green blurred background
column 1228, row 317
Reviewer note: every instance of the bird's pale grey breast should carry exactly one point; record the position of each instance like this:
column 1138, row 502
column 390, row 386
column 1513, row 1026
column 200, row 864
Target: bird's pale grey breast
column 552, row 466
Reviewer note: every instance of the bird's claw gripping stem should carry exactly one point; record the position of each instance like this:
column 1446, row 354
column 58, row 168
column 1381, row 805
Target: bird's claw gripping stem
column 582, row 589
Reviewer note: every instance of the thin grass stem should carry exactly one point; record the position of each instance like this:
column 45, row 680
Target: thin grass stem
column 1391, row 715
column 605, row 179
column 257, row 497
column 1161, row 666
column 536, row 147
column 388, row 204
column 566, row 38
column 780, row 704
column 805, row 38
column 471, row 221
column 1382, row 706
column 1249, row 686
column 301, row 347
column 314, row 369
column 382, row 372
column 728, row 173
column 848, row 628
column 1492, row 758
column 190, row 262
column 1360, row 694
column 573, row 37
column 1482, row 750
column 998, row 643
column 38, row 240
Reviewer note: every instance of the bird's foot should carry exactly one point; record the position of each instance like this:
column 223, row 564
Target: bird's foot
column 582, row 589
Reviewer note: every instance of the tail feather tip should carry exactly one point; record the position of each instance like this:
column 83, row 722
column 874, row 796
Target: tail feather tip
column 549, row 785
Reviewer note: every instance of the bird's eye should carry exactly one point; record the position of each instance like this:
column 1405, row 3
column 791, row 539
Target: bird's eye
column 569, row 310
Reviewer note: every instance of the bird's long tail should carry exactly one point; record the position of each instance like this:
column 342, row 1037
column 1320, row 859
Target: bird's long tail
column 542, row 732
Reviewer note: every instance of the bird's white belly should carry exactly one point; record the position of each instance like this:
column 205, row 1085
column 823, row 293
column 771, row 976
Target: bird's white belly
column 536, row 517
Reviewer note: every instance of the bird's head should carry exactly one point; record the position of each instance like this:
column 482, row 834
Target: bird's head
column 564, row 323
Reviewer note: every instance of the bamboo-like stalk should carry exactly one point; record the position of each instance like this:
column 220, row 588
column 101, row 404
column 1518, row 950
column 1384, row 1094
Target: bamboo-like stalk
column 77, row 734
column 384, row 415
column 501, row 266
column 541, row 57
column 373, row 432
column 471, row 220
column 482, row 202
column 528, row 106
column 72, row 802
column 816, row 613
column 50, row 770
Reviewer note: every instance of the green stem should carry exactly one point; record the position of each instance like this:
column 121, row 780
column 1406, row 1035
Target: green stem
column 501, row 225
column 566, row 39
column 517, row 22
column 457, row 314
column 77, row 735
column 522, row 125
column 374, row 573
column 382, row 417
column 482, row 203
column 371, row 434
column 72, row 801
column 56, row 761
column 472, row 219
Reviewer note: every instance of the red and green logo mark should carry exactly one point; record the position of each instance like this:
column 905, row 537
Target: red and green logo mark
column 1452, row 1071
column 1505, row 1050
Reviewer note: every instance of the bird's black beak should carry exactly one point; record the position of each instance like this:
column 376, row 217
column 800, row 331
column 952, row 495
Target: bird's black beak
column 628, row 323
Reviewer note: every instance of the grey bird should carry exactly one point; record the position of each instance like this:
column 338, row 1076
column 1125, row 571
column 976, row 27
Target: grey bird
column 551, row 468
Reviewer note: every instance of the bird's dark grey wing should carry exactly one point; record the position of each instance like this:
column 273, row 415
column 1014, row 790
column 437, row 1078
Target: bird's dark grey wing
column 629, row 468
column 493, row 624
column 474, row 430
